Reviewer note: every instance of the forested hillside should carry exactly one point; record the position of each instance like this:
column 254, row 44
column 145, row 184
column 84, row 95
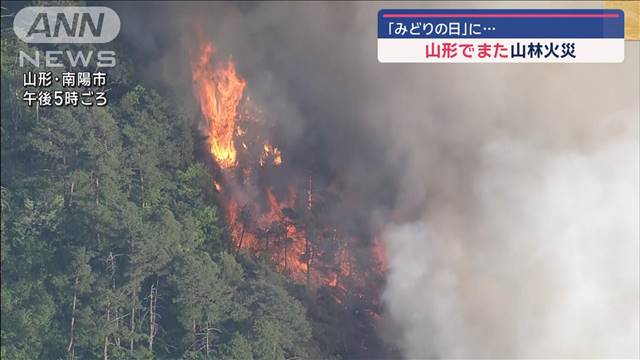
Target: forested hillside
column 114, row 247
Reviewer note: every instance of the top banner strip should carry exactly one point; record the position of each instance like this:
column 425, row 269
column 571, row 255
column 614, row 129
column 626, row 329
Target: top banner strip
column 501, row 24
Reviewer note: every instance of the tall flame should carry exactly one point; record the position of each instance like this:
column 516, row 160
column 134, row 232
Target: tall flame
column 267, row 221
column 219, row 89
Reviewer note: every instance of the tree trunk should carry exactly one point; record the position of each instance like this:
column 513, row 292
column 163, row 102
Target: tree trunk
column 142, row 190
column 97, row 191
column 241, row 237
column 106, row 338
column 206, row 341
column 105, row 351
column 133, row 317
column 72, row 188
column 72, row 346
column 153, row 294
column 193, row 334
column 310, row 255
column 113, row 266
column 285, row 254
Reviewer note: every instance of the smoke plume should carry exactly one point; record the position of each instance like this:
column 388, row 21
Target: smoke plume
column 540, row 261
column 507, row 194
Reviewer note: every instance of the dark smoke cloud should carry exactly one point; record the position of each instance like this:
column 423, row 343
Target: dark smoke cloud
column 507, row 193
column 311, row 86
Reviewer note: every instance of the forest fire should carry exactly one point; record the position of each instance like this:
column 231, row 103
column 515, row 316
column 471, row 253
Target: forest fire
column 247, row 181
column 219, row 91
column 270, row 151
column 262, row 219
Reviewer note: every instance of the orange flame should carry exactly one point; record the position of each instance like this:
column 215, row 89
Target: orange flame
column 281, row 229
column 219, row 89
column 270, row 151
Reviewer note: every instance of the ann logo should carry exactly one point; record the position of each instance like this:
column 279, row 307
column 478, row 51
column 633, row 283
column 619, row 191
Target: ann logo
column 66, row 24
column 41, row 25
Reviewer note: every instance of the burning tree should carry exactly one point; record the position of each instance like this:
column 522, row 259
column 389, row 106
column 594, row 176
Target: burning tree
column 278, row 219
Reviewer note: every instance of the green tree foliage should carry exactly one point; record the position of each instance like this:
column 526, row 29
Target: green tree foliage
column 113, row 246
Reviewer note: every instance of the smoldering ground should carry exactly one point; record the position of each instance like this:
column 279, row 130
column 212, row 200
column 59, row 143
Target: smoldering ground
column 507, row 194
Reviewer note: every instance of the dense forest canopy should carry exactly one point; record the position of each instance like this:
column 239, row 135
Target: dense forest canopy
column 114, row 245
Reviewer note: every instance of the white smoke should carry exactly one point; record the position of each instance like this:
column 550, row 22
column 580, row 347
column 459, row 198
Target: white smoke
column 517, row 230
column 549, row 267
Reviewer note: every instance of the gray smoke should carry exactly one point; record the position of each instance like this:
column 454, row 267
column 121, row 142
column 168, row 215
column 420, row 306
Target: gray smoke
column 516, row 233
column 541, row 261
column 507, row 194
